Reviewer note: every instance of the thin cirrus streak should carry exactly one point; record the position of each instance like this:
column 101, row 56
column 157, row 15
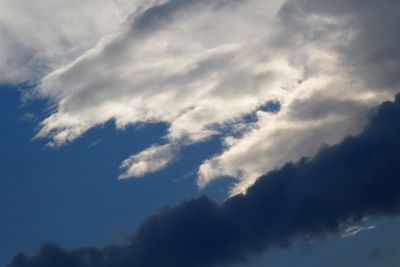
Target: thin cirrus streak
column 199, row 65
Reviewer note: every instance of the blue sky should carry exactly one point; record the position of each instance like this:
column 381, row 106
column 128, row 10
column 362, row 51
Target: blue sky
column 72, row 196
column 267, row 128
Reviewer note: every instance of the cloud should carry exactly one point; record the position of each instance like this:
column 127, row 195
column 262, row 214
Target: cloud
column 314, row 197
column 349, row 63
column 201, row 66
column 356, row 229
column 38, row 37
column 150, row 160
column 178, row 62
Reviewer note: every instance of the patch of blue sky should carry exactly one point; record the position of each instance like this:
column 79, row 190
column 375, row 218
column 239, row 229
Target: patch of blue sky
column 71, row 194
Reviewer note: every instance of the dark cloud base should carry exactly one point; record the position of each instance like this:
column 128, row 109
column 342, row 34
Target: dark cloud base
column 308, row 199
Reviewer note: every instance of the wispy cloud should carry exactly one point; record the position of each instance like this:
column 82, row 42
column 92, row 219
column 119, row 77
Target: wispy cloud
column 199, row 65
column 38, row 37
column 356, row 229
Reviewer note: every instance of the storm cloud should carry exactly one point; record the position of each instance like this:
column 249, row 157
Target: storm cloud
column 312, row 198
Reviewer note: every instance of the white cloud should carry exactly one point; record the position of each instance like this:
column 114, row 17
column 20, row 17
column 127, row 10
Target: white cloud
column 320, row 112
column 356, row 229
column 201, row 65
column 150, row 160
column 38, row 36
column 195, row 72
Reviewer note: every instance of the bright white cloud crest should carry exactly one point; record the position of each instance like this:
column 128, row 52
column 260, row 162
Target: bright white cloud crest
column 202, row 65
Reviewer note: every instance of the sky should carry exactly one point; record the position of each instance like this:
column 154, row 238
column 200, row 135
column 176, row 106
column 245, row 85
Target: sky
column 199, row 133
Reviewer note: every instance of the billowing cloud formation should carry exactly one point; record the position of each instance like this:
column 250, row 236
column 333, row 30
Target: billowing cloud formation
column 349, row 63
column 201, row 66
column 316, row 196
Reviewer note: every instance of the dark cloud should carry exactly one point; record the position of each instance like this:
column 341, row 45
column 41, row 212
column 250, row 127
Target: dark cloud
column 308, row 199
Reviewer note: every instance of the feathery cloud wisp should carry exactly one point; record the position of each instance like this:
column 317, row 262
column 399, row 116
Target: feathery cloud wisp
column 199, row 65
